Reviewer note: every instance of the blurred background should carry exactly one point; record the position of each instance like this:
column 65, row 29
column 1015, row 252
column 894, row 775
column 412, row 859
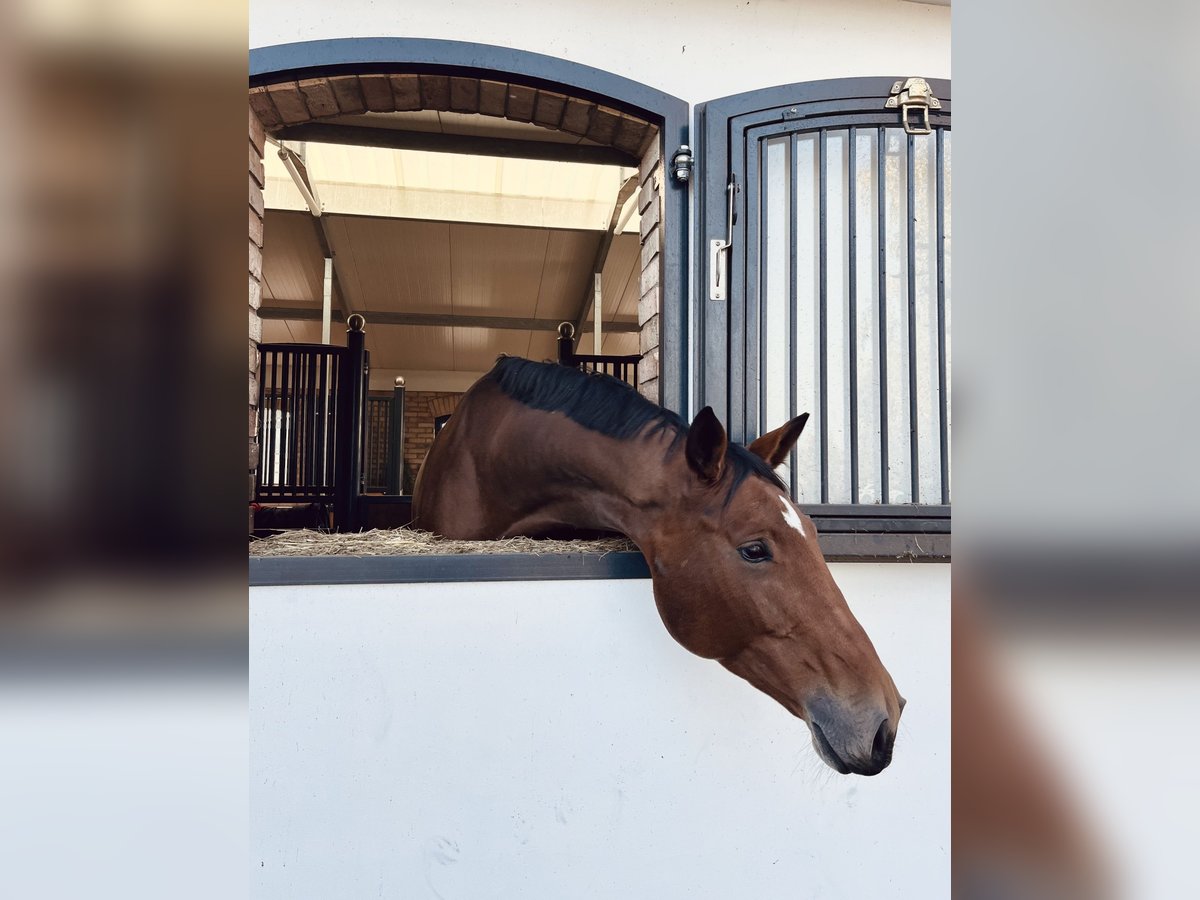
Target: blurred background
column 122, row 456
column 1076, row 614
column 122, row 478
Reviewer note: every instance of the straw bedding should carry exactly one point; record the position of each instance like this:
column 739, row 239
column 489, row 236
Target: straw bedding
column 409, row 542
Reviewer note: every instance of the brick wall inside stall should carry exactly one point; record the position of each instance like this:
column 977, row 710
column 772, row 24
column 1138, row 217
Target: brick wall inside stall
column 257, row 138
column 420, row 409
column 650, row 205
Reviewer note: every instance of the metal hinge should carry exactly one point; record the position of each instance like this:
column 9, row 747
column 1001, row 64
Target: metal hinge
column 682, row 162
column 718, row 251
column 913, row 94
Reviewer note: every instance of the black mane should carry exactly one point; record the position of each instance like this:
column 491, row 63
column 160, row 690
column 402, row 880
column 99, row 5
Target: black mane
column 610, row 407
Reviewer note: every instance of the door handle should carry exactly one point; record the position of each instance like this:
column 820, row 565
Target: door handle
column 718, row 252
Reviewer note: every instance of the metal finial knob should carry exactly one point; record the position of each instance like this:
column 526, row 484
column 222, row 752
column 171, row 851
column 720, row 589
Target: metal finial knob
column 566, row 330
column 356, row 322
column 399, row 381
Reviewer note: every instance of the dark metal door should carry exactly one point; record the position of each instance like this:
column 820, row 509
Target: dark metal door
column 824, row 239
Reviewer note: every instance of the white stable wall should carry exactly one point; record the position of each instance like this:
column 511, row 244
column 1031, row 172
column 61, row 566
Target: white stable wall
column 549, row 739
column 694, row 49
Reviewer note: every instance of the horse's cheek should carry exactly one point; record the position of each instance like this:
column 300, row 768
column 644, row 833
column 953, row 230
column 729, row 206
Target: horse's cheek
column 687, row 622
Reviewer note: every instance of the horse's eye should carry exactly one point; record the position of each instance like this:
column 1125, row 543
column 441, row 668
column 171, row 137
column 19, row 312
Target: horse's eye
column 755, row 551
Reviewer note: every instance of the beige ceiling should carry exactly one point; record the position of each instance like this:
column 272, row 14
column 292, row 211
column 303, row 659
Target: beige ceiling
column 446, row 268
column 455, row 187
column 448, row 235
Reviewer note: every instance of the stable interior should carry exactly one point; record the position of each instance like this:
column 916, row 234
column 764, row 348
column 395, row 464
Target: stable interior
column 456, row 248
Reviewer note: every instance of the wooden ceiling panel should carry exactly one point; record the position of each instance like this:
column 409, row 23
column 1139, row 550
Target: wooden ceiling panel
column 275, row 331
column 496, row 269
column 306, row 331
column 293, row 262
column 625, row 344
column 476, row 349
column 393, row 265
column 567, row 273
column 621, row 278
column 411, row 347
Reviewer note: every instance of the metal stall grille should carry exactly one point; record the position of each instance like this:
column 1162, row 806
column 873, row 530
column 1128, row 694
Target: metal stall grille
column 624, row 368
column 298, row 389
column 377, row 444
column 847, row 274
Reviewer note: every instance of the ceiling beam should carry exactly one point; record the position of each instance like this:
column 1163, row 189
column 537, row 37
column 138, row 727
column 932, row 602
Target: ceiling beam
column 313, row 313
column 436, row 142
column 298, row 168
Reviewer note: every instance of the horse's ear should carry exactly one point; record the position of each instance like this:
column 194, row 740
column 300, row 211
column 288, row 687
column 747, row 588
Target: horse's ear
column 774, row 446
column 706, row 445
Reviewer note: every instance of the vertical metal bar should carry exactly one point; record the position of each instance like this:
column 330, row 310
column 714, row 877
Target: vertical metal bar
column 881, row 211
column 310, row 423
column 259, row 419
column 301, row 376
column 396, row 444
column 566, row 345
column 763, row 292
column 793, row 301
column 303, row 360
column 295, row 419
column 754, row 388
column 852, row 199
column 943, row 419
column 356, row 347
column 319, row 415
column 912, row 326
column 284, row 421
column 333, row 408
column 276, row 417
column 822, row 337
column 736, row 371
column 267, row 418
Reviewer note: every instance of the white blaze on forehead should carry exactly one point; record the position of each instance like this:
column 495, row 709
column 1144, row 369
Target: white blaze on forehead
column 791, row 516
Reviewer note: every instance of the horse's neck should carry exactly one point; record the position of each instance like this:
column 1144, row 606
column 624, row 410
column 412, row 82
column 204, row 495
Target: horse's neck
column 579, row 479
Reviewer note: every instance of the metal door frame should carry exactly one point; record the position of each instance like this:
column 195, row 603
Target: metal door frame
column 727, row 352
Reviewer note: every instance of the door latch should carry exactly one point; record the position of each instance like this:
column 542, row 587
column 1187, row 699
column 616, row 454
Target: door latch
column 718, row 251
column 913, row 94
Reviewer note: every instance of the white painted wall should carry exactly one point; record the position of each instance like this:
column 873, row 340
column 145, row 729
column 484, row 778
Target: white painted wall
column 549, row 739
column 694, row 49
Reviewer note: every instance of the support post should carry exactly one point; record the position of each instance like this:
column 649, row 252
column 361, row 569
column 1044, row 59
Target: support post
column 351, row 406
column 396, row 442
column 327, row 300
column 597, row 312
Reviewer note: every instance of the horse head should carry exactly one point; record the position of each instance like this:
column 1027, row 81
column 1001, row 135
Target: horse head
column 740, row 578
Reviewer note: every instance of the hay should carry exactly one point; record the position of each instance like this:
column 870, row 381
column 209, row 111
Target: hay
column 408, row 542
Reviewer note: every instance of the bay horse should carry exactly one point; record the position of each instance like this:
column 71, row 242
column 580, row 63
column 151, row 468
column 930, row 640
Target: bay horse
column 538, row 449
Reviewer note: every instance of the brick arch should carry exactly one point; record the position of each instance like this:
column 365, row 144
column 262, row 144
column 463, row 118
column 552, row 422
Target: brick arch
column 443, row 405
column 286, row 103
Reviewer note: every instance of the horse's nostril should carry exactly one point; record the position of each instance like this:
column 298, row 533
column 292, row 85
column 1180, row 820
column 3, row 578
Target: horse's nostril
column 882, row 744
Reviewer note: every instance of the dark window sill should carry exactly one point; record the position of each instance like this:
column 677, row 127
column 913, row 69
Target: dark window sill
column 308, row 570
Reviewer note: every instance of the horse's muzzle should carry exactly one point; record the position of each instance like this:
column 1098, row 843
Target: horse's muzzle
column 846, row 746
